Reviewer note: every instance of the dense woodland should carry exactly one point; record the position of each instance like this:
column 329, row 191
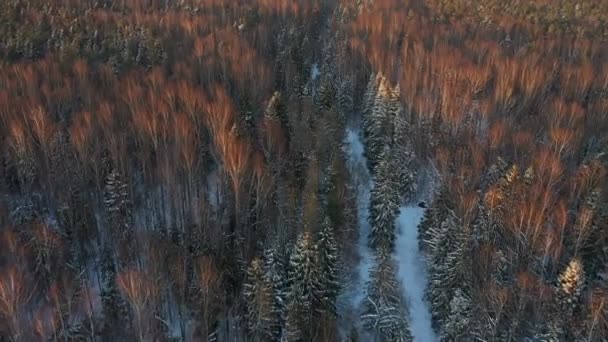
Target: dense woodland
column 179, row 171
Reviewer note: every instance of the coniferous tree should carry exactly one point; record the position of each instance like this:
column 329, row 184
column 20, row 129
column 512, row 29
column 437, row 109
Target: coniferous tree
column 385, row 311
column 367, row 104
column 384, row 202
column 325, row 94
column 457, row 326
column 432, row 218
column 328, row 264
column 304, row 289
column 406, row 172
column 258, row 295
column 119, row 213
column 571, row 284
column 276, row 272
column 379, row 124
column 344, row 99
column 449, row 265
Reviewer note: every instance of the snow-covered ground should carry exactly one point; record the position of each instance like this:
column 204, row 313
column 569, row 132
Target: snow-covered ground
column 361, row 178
column 411, row 271
column 314, row 72
column 412, row 274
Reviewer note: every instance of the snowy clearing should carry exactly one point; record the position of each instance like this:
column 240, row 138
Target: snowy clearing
column 412, row 274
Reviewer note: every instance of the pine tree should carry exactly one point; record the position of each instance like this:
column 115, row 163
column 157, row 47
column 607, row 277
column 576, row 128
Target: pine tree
column 258, row 295
column 328, row 263
column 384, row 202
column 304, row 288
column 385, row 311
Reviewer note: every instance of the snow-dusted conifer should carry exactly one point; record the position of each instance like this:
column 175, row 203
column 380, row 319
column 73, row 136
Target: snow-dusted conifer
column 276, row 272
column 379, row 125
column 328, row 264
column 118, row 207
column 457, row 325
column 384, row 202
column 385, row 312
column 305, row 286
column 570, row 288
column 258, row 295
column 325, row 94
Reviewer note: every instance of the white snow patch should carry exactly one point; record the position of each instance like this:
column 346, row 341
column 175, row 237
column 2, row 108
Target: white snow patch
column 213, row 184
column 362, row 182
column 412, row 274
column 314, row 72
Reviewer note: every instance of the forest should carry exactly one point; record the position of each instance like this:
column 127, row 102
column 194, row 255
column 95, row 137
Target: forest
column 303, row 170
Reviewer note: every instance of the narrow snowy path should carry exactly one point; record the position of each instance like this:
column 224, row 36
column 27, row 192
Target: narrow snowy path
column 412, row 274
column 361, row 178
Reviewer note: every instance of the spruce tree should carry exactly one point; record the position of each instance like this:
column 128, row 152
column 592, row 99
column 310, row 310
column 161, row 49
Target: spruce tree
column 304, row 287
column 368, row 104
column 384, row 202
column 433, row 217
column 325, row 94
column 570, row 287
column 379, row 126
column 449, row 265
column 457, row 326
column 328, row 264
column 119, row 213
column 275, row 269
column 385, row 312
column 258, row 295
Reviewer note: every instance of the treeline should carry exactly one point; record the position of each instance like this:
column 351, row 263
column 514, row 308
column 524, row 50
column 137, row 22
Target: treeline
column 512, row 113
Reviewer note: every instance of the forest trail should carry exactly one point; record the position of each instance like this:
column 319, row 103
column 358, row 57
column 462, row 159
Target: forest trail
column 410, row 264
column 412, row 274
column 361, row 179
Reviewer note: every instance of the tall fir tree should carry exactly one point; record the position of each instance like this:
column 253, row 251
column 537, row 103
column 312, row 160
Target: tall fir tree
column 329, row 266
column 384, row 202
column 457, row 326
column 259, row 302
column 275, row 268
column 118, row 208
column 449, row 265
column 385, row 312
column 304, row 289
column 324, row 97
column 379, row 125
column 570, row 287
